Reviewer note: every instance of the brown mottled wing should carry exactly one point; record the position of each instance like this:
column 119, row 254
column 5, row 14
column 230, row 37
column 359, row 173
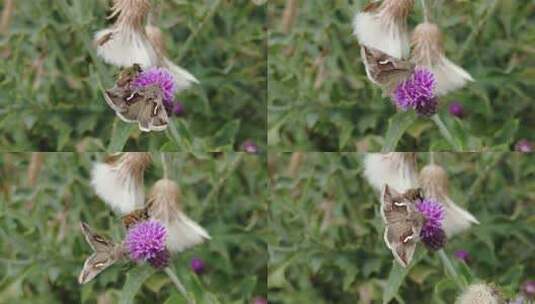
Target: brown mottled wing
column 401, row 240
column 152, row 116
column 384, row 70
column 106, row 253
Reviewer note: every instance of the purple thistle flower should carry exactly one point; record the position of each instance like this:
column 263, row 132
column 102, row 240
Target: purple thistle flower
column 432, row 234
column 197, row 265
column 250, row 147
column 160, row 77
column 529, row 288
column 260, row 300
column 524, row 146
column 456, row 109
column 178, row 109
column 417, row 93
column 462, row 255
column 160, row 260
column 145, row 240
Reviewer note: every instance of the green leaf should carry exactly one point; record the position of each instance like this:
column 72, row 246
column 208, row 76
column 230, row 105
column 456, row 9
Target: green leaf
column 180, row 135
column 225, row 136
column 397, row 125
column 120, row 134
column 397, row 275
column 134, row 280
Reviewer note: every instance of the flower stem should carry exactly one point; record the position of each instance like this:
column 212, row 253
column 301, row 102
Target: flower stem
column 425, row 10
column 445, row 132
column 164, row 165
column 178, row 284
column 450, row 270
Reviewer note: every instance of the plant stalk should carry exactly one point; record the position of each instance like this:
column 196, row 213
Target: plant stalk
column 178, row 284
column 445, row 132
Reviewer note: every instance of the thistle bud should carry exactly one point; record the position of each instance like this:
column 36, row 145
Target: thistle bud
column 480, row 294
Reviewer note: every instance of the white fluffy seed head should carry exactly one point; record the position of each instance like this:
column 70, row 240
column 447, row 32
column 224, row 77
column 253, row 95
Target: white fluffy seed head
column 125, row 46
column 384, row 27
column 182, row 232
column 428, row 52
column 119, row 181
column 183, row 78
column 434, row 182
column 396, row 169
column 480, row 294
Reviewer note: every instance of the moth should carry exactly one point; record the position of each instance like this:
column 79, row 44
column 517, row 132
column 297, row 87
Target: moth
column 403, row 222
column 105, row 254
column 144, row 106
column 137, row 216
column 384, row 70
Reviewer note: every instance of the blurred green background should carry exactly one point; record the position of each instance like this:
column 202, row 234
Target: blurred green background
column 42, row 250
column 328, row 245
column 50, row 99
column 320, row 99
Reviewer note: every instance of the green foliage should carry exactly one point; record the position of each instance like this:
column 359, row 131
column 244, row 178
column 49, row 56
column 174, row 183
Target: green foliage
column 51, row 79
column 328, row 245
column 321, row 100
column 43, row 250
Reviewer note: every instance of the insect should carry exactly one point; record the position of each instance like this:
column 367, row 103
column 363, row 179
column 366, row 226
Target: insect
column 137, row 216
column 106, row 253
column 144, row 106
column 403, row 222
column 384, row 70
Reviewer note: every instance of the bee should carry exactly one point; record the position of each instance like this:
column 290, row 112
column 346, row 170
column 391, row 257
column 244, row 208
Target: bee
column 414, row 194
column 137, row 216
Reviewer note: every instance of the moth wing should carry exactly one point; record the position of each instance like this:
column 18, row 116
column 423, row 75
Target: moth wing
column 95, row 264
column 115, row 98
column 385, row 70
column 131, row 112
column 401, row 239
column 160, row 119
column 391, row 212
column 152, row 115
column 96, row 241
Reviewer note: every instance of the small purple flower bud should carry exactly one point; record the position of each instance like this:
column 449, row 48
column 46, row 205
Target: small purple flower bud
column 417, row 93
column 432, row 234
column 528, row 288
column 260, row 300
column 178, row 109
column 145, row 240
column 524, row 146
column 160, row 77
column 160, row 260
column 456, row 109
column 462, row 255
column 250, row 147
column 197, row 265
